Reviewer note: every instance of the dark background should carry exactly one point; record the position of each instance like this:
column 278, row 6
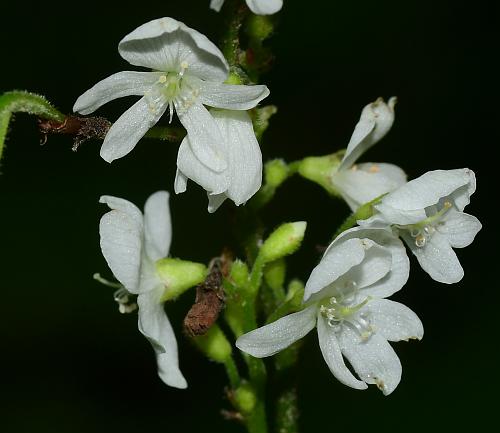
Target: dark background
column 71, row 363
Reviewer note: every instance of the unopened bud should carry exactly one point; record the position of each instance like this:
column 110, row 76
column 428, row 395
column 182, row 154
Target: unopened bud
column 285, row 240
column 179, row 275
column 214, row 344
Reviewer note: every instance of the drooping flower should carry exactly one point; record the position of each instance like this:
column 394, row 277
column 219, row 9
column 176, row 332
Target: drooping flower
column 361, row 183
column 188, row 72
column 345, row 299
column 243, row 177
column 133, row 245
column 427, row 213
column 259, row 7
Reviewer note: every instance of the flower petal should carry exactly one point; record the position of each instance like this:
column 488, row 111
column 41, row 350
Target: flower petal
column 437, row 258
column 130, row 128
column 265, row 7
column 276, row 336
column 375, row 266
column 118, row 85
column 205, row 138
column 400, row 266
column 374, row 360
column 406, row 205
column 180, row 182
column 164, row 44
column 232, row 97
column 459, row 228
column 394, row 321
column 157, row 225
column 215, row 201
column 216, row 5
column 376, row 120
column 155, row 326
column 121, row 241
column 337, row 261
column 330, row 348
column 365, row 182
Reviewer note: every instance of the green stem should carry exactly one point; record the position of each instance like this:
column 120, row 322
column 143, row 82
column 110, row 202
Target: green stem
column 235, row 12
column 232, row 372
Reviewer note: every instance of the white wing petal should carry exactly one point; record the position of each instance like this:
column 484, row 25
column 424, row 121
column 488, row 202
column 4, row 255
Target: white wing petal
column 157, row 225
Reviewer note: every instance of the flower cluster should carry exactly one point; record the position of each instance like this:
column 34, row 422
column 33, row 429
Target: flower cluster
column 346, row 295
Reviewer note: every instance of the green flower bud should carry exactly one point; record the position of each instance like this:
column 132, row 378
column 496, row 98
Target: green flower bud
column 233, row 79
column 179, row 275
column 276, row 172
column 285, row 240
column 294, row 294
column 214, row 344
column 274, row 274
column 320, row 169
column 259, row 27
column 239, row 273
column 245, row 398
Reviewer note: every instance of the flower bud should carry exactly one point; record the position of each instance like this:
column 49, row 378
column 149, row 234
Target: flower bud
column 179, row 275
column 276, row 172
column 259, row 27
column 245, row 398
column 239, row 273
column 214, row 344
column 274, row 274
column 285, row 240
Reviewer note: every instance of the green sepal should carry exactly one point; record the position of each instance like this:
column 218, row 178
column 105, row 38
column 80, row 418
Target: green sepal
column 178, row 276
column 320, row 169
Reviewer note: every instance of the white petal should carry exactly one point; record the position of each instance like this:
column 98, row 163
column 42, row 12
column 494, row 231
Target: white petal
column 116, row 86
column 400, row 266
column 437, row 258
column 130, row 128
column 164, row 44
column 375, row 121
column 265, row 7
column 180, row 182
column 190, row 167
column 394, row 321
column 157, row 225
column 243, row 154
column 375, row 266
column 205, row 138
column 155, row 326
column 121, row 233
column 216, row 5
column 276, row 336
column 459, row 228
column 374, row 360
column 232, row 97
column 365, row 182
column 406, row 205
column 337, row 261
column 330, row 349
column 215, row 201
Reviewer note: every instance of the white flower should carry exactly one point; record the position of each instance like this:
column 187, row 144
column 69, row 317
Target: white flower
column 361, row 183
column 188, row 72
column 344, row 299
column 131, row 244
column 259, row 7
column 243, row 177
column 427, row 213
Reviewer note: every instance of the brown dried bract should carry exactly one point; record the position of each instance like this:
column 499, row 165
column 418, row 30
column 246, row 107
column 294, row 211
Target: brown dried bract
column 83, row 128
column 209, row 302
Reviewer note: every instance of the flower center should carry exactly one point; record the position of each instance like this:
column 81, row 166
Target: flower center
column 423, row 230
column 340, row 309
column 125, row 301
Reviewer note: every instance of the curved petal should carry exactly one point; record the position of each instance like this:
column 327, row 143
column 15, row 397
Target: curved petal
column 155, row 326
column 232, row 97
column 276, row 336
column 459, row 228
column 376, row 120
column 164, row 44
column 374, row 360
column 243, row 153
column 157, row 225
column 121, row 233
column 205, row 137
column 180, row 182
column 330, row 348
column 216, row 5
column 394, row 321
column 375, row 265
column 265, row 7
column 190, row 167
column 118, row 85
column 400, row 266
column 406, row 205
column 337, row 261
column 130, row 128
column 365, row 182
column 215, row 201
column 437, row 258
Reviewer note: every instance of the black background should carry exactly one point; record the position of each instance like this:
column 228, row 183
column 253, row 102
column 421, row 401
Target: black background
column 71, row 363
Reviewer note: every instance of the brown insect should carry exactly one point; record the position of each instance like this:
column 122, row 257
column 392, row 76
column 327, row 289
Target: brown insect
column 209, row 302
